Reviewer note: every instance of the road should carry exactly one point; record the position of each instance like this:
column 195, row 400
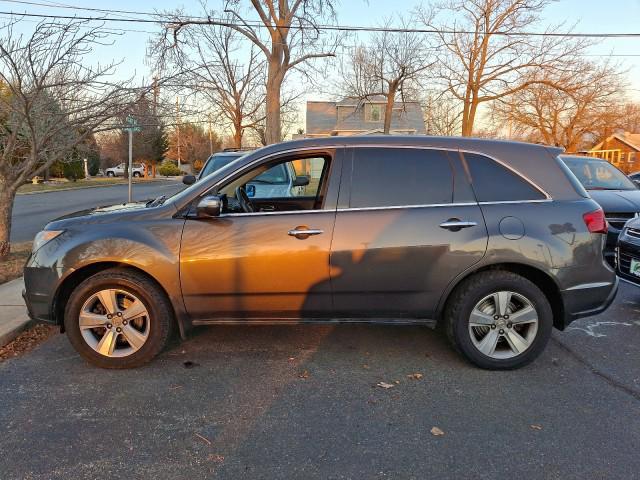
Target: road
column 32, row 212
column 301, row 402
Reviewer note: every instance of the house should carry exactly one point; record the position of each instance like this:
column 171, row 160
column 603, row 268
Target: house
column 353, row 116
column 620, row 149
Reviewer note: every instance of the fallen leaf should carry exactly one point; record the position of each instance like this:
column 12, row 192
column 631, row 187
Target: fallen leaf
column 415, row 376
column 215, row 458
column 385, row 385
column 397, row 382
column 365, row 366
column 203, row 438
column 536, row 427
column 304, row 374
column 291, row 359
column 436, row 432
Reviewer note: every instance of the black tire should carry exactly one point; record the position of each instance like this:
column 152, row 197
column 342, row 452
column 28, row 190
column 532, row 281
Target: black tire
column 154, row 299
column 471, row 291
column 136, row 174
column 111, row 174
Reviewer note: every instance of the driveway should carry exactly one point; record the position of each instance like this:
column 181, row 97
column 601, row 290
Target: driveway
column 301, row 402
column 32, row 212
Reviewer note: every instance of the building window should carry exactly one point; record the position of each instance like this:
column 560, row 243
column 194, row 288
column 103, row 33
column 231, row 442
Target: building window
column 373, row 112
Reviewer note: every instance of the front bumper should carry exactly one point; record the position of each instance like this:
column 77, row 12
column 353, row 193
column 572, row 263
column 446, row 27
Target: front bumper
column 40, row 287
column 625, row 252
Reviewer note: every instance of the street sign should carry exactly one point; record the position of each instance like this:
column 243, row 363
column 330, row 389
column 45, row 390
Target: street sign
column 133, row 124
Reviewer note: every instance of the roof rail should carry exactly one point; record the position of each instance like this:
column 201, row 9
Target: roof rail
column 241, row 149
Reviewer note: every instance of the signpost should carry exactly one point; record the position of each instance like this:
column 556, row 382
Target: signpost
column 132, row 127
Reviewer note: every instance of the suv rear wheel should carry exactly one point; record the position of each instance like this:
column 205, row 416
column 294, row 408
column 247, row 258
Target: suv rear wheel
column 499, row 320
column 118, row 319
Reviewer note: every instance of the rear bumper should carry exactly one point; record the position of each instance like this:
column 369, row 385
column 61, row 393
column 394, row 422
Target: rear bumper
column 589, row 299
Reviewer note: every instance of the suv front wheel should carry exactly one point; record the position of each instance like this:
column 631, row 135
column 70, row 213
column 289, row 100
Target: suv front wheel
column 118, row 319
column 499, row 320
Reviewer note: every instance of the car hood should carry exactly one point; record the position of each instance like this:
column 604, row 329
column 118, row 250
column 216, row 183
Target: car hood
column 111, row 213
column 617, row 200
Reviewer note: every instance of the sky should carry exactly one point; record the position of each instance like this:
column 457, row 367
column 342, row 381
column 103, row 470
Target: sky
column 586, row 16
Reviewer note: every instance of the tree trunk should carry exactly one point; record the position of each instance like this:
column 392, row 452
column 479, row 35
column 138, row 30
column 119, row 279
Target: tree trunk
column 388, row 111
column 6, row 206
column 237, row 136
column 273, row 128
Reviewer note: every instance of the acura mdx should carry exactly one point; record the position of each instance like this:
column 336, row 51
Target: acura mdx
column 495, row 241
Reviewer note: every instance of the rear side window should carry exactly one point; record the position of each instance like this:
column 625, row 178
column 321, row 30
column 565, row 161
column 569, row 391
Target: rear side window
column 387, row 177
column 493, row 182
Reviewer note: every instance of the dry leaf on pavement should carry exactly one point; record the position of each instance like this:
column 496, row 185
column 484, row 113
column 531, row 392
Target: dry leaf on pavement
column 415, row 376
column 385, row 385
column 436, row 432
column 536, row 427
column 304, row 374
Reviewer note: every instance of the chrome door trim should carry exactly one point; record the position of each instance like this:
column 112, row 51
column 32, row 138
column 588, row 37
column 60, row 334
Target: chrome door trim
column 393, row 207
column 458, row 224
column 311, row 231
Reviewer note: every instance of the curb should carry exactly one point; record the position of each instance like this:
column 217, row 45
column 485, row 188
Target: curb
column 15, row 330
column 93, row 186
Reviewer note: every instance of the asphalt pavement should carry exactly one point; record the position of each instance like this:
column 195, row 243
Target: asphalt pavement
column 301, row 402
column 32, row 212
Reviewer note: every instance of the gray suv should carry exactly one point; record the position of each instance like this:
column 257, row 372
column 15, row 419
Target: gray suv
column 496, row 241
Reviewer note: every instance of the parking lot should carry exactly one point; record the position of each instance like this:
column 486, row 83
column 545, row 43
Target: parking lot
column 302, row 402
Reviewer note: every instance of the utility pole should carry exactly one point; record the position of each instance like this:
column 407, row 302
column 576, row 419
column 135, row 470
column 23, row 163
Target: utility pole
column 178, row 128
column 132, row 126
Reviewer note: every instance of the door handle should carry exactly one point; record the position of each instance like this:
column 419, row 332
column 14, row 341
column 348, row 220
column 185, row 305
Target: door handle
column 268, row 208
column 455, row 224
column 303, row 232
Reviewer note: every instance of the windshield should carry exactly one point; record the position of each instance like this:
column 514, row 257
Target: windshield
column 597, row 174
column 217, row 162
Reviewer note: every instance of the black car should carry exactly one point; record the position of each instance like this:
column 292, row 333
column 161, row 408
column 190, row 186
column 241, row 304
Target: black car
column 618, row 196
column 628, row 252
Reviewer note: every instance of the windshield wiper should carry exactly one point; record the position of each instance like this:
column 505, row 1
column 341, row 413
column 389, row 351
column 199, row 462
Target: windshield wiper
column 156, row 201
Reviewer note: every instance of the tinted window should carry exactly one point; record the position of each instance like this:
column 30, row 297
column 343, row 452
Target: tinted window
column 494, row 183
column 386, row 177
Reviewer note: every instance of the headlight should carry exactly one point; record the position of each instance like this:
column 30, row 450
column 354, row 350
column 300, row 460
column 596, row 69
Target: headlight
column 43, row 237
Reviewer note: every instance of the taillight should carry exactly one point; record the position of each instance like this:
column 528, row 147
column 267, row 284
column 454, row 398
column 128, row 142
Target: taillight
column 595, row 221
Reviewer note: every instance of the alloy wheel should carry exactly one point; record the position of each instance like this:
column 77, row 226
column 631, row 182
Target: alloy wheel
column 114, row 322
column 503, row 325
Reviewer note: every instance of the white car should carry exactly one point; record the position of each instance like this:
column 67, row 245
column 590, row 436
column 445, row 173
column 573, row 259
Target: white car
column 137, row 170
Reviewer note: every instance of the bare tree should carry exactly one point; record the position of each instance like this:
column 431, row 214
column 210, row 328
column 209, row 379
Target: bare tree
column 50, row 102
column 485, row 58
column 442, row 115
column 390, row 66
column 565, row 118
column 286, row 33
column 212, row 65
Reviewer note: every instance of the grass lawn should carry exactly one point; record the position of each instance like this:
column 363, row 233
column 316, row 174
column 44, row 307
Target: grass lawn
column 12, row 267
column 67, row 185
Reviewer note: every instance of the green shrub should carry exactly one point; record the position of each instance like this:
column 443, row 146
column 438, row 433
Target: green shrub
column 73, row 170
column 169, row 169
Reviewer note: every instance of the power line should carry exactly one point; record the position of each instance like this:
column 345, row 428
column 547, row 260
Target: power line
column 344, row 28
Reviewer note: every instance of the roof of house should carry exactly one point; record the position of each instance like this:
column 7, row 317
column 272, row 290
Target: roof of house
column 323, row 119
column 631, row 139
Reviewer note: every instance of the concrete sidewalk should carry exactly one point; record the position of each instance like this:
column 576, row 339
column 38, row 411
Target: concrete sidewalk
column 13, row 312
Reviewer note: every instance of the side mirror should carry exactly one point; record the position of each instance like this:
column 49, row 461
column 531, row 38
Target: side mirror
column 189, row 179
column 301, row 181
column 637, row 182
column 209, row 206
